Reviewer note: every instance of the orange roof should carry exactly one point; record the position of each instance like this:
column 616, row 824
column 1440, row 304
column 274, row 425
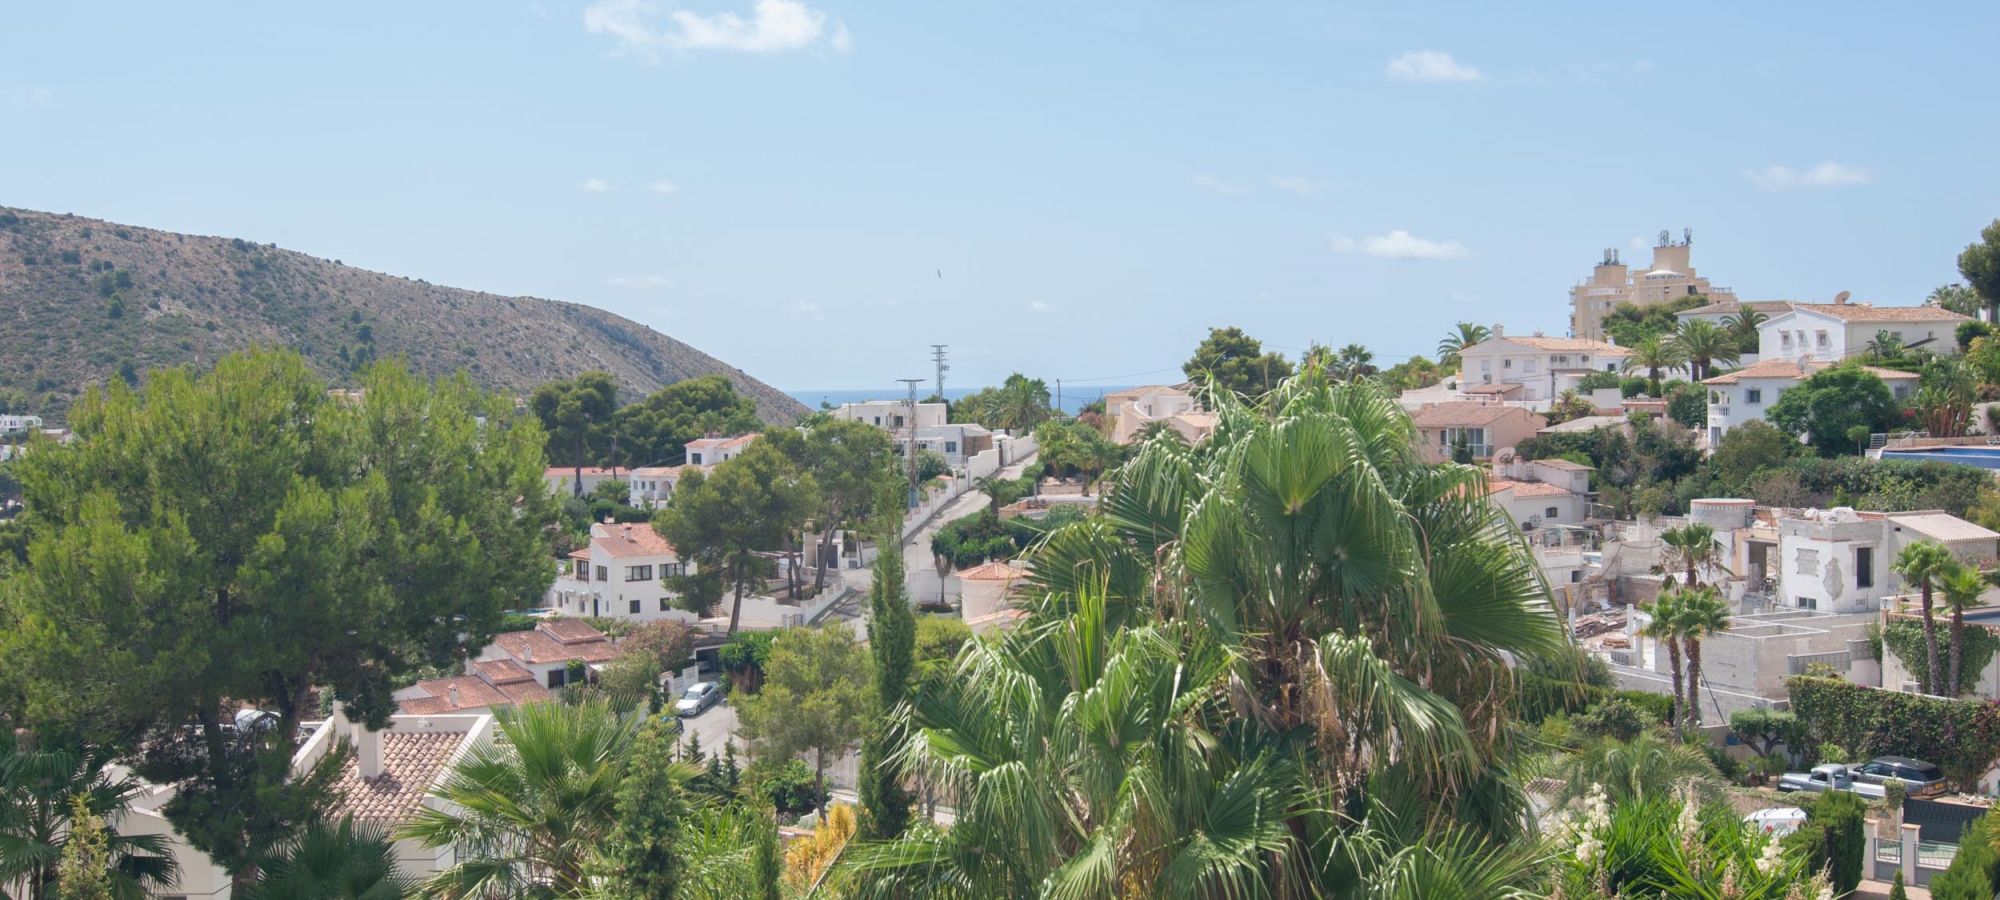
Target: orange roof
column 1863, row 312
column 992, row 571
column 1563, row 343
column 588, row 471
column 1799, row 369
column 1529, row 488
column 627, row 539
column 410, row 762
column 539, row 646
column 1452, row 415
column 473, row 693
column 570, row 631
column 501, row 671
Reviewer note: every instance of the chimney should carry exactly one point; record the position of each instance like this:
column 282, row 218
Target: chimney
column 528, row 653
column 368, row 751
column 451, row 695
column 1499, row 330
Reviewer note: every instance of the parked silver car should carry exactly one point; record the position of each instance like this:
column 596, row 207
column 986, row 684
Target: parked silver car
column 698, row 698
column 1829, row 777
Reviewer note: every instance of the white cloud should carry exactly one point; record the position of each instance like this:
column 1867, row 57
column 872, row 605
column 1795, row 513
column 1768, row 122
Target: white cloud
column 1430, row 65
column 596, row 185
column 1304, row 187
column 663, row 186
column 1040, row 306
column 639, row 281
column 1399, row 244
column 1219, row 186
column 1826, row 174
column 774, row 26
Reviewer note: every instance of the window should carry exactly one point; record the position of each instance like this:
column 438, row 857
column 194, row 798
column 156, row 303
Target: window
column 1611, row 367
column 1753, row 395
column 1551, row 513
column 951, row 446
column 1808, row 563
column 694, row 458
column 1819, row 339
column 1575, row 575
column 638, row 573
column 878, row 421
column 603, row 574
column 663, row 604
column 898, row 420
column 1785, row 339
column 556, row 677
column 635, row 607
column 582, row 570
column 672, row 570
column 1506, row 364
column 1864, row 567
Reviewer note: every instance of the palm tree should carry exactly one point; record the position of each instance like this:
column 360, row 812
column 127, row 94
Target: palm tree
column 1654, row 355
column 1019, row 404
column 1962, row 588
column 333, row 861
column 1885, row 346
column 1354, row 361
column 1635, row 770
column 1262, row 653
column 528, row 810
column 1665, row 630
column 1703, row 612
column 1744, row 324
column 38, row 788
column 1692, row 549
column 1701, row 343
column 1463, row 335
column 1925, row 564
column 1944, row 400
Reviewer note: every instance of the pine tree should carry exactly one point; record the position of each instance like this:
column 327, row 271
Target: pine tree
column 641, row 856
column 731, row 773
column 766, row 866
column 1896, row 891
column 692, row 752
column 892, row 638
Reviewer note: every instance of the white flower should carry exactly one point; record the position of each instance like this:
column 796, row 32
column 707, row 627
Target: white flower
column 1768, row 862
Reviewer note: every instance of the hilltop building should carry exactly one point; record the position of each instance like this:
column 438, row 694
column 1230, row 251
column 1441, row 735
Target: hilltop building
column 1612, row 283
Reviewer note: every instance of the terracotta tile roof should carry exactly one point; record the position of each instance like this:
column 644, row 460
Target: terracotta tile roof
column 540, row 647
column 588, row 471
column 468, row 692
column 1565, row 343
column 1502, row 388
column 1768, row 368
column 571, row 631
column 1862, row 312
column 730, row 443
column 410, row 762
column 1584, row 424
column 992, row 571
column 1892, row 374
column 501, row 671
column 1564, row 464
column 1529, row 488
column 656, row 471
column 1134, row 393
column 626, row 539
column 1730, row 308
column 1453, row 415
column 579, row 554
column 1945, row 527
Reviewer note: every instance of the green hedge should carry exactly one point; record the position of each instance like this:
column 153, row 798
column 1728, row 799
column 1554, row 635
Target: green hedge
column 1537, row 697
column 1905, row 638
column 1962, row 736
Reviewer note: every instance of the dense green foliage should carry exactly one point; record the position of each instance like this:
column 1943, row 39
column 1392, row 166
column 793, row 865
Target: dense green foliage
column 1826, row 407
column 1629, row 325
column 1664, row 847
column 1961, row 736
column 1974, row 873
column 892, row 645
column 1833, row 838
column 980, row 537
column 723, row 521
column 1905, row 638
column 818, row 696
column 1229, row 360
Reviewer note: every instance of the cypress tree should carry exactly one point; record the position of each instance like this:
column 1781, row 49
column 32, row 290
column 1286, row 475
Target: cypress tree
column 892, row 639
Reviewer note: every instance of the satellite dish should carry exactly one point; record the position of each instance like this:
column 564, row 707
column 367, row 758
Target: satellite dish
column 1840, row 297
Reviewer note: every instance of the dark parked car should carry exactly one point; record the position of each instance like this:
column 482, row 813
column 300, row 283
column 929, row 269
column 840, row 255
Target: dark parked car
column 1919, row 777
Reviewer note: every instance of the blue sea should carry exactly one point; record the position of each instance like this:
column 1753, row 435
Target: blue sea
column 1073, row 397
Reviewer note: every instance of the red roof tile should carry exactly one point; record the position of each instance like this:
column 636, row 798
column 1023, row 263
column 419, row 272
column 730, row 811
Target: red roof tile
column 410, row 762
column 627, row 539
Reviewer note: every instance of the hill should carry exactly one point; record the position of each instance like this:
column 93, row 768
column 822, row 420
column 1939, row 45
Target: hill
column 83, row 301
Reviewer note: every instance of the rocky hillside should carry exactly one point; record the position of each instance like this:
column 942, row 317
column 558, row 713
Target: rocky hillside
column 83, row 301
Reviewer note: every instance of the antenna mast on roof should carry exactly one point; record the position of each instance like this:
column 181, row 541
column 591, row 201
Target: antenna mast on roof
column 938, row 355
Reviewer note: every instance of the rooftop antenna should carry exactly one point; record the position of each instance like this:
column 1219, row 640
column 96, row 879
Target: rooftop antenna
column 938, row 356
column 1687, row 237
column 910, row 449
column 1666, row 238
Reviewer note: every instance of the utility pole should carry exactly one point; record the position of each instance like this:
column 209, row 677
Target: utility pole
column 910, row 420
column 1059, row 406
column 937, row 355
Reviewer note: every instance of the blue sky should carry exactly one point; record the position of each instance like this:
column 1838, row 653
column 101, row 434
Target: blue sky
column 779, row 183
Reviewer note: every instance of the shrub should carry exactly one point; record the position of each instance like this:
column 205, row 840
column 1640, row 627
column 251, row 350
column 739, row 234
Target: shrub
column 1833, row 839
column 1961, row 736
column 1615, row 717
column 1972, row 872
column 1597, row 381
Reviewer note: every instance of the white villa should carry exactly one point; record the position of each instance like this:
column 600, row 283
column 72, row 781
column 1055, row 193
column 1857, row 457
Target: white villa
column 1840, row 330
column 622, row 575
column 1533, row 368
column 1131, row 410
column 1746, row 394
column 955, row 441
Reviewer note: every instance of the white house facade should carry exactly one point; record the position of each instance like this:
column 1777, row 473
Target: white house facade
column 1746, row 394
column 1831, row 332
column 893, row 415
column 1543, row 367
column 622, row 574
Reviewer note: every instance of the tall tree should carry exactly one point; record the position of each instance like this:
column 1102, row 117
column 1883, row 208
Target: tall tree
column 574, row 413
column 1702, row 613
column 725, row 519
column 1463, row 335
column 1692, row 548
column 1980, row 264
column 892, row 639
column 655, row 431
column 533, row 806
column 1962, row 587
column 1955, row 298
column 1926, row 564
column 643, row 855
column 817, row 697
column 1017, row 405
column 1702, row 344
column 1354, row 361
column 84, row 872
column 238, row 538
column 848, row 460
column 1653, row 356
column 1229, row 360
column 1744, row 325
column 1665, row 630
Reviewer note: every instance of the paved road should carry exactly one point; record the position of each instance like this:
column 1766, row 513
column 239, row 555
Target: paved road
column 918, row 564
column 714, row 727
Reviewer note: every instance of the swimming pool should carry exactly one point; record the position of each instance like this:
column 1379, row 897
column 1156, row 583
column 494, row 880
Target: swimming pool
column 1983, row 457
